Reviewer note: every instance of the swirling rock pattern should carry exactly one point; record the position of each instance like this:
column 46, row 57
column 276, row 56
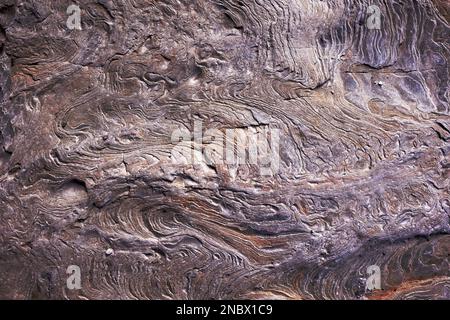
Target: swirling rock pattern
column 87, row 118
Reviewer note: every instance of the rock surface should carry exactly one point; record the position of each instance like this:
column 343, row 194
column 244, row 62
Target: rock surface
column 87, row 170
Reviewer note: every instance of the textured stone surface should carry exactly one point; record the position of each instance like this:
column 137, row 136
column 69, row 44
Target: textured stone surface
column 87, row 179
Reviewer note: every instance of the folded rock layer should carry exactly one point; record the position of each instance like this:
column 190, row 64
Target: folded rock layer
column 352, row 97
